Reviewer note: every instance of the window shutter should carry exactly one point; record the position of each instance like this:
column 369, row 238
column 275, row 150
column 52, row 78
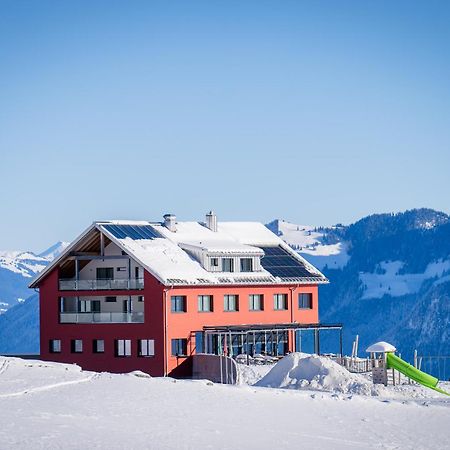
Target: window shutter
column 151, row 347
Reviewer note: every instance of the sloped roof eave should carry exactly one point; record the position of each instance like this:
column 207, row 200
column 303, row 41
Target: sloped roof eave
column 41, row 275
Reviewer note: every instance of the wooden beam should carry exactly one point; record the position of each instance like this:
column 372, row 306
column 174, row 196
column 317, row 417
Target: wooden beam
column 90, row 257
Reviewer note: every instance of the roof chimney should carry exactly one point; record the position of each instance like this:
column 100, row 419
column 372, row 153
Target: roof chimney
column 170, row 222
column 211, row 221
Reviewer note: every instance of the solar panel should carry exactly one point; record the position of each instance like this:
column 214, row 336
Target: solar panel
column 134, row 232
column 279, row 263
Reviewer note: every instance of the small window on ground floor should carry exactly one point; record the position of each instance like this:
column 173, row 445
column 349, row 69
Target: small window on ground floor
column 110, row 299
column 199, row 342
column 98, row 346
column 146, row 347
column 77, row 346
column 123, row 347
column 55, row 346
column 179, row 347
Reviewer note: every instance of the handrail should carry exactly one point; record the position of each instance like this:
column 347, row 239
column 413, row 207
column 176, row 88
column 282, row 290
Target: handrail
column 95, row 285
column 101, row 317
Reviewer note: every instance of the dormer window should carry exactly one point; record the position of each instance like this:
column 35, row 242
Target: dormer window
column 214, row 262
column 246, row 265
column 227, row 265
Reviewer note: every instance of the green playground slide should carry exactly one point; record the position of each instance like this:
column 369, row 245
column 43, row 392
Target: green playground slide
column 394, row 362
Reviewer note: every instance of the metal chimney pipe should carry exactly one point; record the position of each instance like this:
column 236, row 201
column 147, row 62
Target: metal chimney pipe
column 211, row 221
column 170, row 222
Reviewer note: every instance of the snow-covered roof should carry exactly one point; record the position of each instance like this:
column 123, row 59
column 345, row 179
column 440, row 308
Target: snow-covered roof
column 164, row 253
column 225, row 247
column 381, row 347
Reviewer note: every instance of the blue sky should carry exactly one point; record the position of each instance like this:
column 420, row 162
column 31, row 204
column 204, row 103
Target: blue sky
column 316, row 112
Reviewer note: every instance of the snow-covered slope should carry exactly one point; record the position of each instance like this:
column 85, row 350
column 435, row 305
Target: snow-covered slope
column 311, row 243
column 50, row 405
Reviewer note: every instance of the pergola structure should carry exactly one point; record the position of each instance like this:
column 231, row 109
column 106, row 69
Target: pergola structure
column 268, row 339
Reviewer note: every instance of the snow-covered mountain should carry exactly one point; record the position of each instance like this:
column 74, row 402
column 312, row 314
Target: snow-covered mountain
column 16, row 270
column 389, row 274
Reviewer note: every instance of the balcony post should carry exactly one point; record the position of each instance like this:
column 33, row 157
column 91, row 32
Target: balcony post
column 102, row 244
column 76, row 273
column 129, row 273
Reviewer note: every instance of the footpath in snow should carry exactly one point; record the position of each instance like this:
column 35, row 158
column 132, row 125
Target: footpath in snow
column 50, row 405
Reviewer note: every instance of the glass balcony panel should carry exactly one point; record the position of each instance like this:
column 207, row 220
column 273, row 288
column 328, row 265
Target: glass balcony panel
column 94, row 285
column 102, row 317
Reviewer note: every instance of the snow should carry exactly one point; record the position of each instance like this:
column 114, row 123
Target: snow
column 392, row 283
column 50, row 405
column 381, row 347
column 300, row 370
column 222, row 247
column 308, row 242
column 166, row 258
column 28, row 264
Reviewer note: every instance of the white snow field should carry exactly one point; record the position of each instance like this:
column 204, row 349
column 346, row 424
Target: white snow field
column 52, row 406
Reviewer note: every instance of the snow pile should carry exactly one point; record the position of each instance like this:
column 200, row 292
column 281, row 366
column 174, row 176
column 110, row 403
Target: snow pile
column 302, row 371
column 250, row 374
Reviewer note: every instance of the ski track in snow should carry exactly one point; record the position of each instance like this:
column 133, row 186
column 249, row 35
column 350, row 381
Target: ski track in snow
column 46, row 387
column 4, row 366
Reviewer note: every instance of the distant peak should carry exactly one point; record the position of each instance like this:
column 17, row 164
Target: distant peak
column 54, row 251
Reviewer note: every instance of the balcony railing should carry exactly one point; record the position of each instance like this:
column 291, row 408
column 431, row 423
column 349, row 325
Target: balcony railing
column 97, row 285
column 102, row 317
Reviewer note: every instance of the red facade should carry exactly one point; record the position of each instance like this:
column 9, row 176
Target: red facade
column 160, row 324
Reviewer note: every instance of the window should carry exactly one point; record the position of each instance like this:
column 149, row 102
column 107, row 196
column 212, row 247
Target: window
column 88, row 306
column 256, row 302
column 205, row 303
column 123, row 347
column 55, row 346
column 305, row 301
column 214, row 262
column 230, row 303
column 121, row 269
column 77, row 346
column 126, row 306
column 179, row 347
column 246, row 264
column 110, row 299
column 280, row 301
column 199, row 342
column 105, row 273
column 146, row 347
column 227, row 265
column 178, row 303
column 136, row 272
column 98, row 346
column 140, row 298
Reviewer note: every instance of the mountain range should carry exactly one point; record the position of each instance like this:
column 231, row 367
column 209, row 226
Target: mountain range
column 389, row 280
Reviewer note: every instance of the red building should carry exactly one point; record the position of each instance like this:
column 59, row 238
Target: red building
column 137, row 295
